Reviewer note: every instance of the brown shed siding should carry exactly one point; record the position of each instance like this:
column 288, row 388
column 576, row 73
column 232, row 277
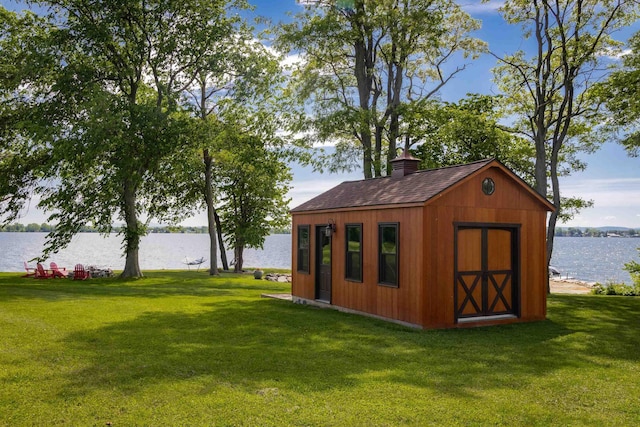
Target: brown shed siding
column 401, row 303
column 302, row 286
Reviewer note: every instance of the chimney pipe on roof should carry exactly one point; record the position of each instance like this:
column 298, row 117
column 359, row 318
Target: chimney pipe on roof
column 403, row 165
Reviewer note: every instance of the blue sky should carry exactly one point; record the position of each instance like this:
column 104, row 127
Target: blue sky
column 612, row 179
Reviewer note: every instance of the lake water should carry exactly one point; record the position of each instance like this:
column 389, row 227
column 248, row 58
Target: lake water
column 584, row 258
column 595, row 259
column 157, row 251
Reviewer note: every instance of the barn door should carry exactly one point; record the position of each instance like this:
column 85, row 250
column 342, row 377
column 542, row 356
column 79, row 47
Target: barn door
column 485, row 271
column 323, row 265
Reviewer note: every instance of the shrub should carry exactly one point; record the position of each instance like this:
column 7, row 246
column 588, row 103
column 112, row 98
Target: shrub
column 617, row 289
column 634, row 269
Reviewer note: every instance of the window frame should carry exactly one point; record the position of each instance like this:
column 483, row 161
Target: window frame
column 347, row 252
column 301, row 254
column 381, row 254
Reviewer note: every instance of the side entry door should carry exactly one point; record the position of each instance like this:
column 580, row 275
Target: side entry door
column 323, row 265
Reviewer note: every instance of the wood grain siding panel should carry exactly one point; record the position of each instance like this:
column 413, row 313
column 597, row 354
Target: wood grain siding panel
column 412, row 267
column 534, row 275
column 302, row 284
column 446, row 307
column 403, row 303
column 532, row 262
column 431, row 266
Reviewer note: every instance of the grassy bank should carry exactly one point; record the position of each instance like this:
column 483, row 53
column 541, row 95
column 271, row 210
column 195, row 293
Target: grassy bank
column 181, row 348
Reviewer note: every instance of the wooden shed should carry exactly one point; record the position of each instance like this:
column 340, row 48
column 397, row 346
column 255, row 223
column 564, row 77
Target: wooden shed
column 441, row 248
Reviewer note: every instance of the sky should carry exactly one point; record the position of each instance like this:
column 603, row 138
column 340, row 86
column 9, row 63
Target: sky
column 611, row 180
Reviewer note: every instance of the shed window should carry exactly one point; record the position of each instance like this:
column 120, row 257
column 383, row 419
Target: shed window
column 303, row 248
column 354, row 252
column 388, row 254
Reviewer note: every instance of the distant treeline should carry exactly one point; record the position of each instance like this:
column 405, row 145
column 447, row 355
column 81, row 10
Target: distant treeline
column 597, row 232
column 560, row 231
column 46, row 228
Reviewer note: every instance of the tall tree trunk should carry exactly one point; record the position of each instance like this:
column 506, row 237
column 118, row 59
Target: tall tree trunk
column 551, row 229
column 367, row 162
column 377, row 153
column 132, row 232
column 208, row 195
column 543, row 88
column 541, row 170
column 363, row 72
column 394, row 87
column 394, row 128
column 238, row 252
column 223, row 251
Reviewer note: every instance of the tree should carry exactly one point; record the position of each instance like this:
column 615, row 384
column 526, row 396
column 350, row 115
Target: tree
column 364, row 60
column 253, row 185
column 466, row 131
column 33, row 227
column 621, row 95
column 25, row 58
column 246, row 73
column 633, row 267
column 103, row 121
column 547, row 90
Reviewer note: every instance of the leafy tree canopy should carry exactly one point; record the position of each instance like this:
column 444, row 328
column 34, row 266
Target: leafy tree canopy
column 466, row 131
column 252, row 183
column 363, row 62
column 94, row 109
column 621, row 95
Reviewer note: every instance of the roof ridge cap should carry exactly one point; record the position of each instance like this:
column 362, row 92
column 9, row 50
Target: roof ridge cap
column 485, row 161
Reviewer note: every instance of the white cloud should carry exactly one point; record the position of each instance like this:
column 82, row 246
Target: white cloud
column 614, row 54
column 614, row 192
column 303, row 191
column 616, row 201
column 292, row 60
column 306, row 2
column 313, row 187
column 479, row 8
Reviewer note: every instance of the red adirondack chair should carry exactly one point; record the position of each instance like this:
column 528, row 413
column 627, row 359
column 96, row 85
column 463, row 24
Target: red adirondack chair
column 79, row 273
column 31, row 272
column 57, row 271
column 41, row 273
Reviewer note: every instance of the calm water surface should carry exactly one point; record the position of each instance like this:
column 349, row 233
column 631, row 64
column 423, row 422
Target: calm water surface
column 584, row 258
column 157, row 251
column 595, row 259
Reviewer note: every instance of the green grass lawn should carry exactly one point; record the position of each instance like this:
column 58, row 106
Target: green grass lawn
column 181, row 348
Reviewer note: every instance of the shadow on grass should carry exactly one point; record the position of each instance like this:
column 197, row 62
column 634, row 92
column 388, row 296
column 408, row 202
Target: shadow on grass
column 153, row 285
column 257, row 342
column 610, row 324
column 247, row 342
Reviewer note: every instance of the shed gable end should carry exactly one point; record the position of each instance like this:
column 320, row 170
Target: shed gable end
column 508, row 192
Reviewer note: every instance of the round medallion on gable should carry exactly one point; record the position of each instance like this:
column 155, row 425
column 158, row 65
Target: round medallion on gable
column 488, row 186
